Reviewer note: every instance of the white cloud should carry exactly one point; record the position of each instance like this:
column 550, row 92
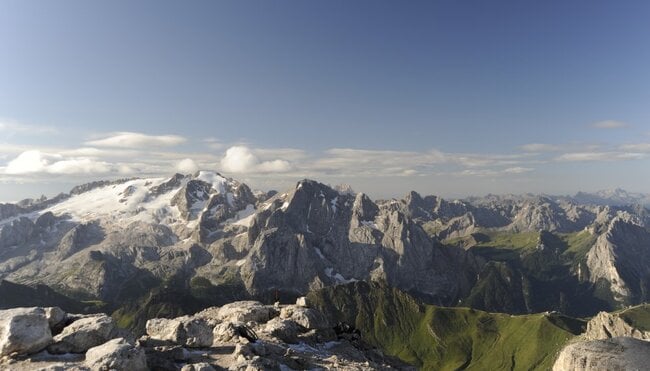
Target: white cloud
column 539, row 147
column 599, row 156
column 213, row 143
column 241, row 159
column 13, row 127
column 609, row 124
column 187, row 166
column 34, row 162
column 483, row 160
column 27, row 162
column 352, row 162
column 79, row 166
column 495, row 172
column 137, row 140
column 275, row 166
column 636, row 147
column 517, row 170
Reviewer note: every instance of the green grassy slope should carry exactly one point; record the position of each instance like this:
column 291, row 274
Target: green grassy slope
column 531, row 272
column 16, row 295
column 174, row 298
column 438, row 338
column 637, row 316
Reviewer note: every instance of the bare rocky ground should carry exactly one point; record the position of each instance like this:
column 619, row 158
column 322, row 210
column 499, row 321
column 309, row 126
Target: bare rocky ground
column 610, row 343
column 238, row 336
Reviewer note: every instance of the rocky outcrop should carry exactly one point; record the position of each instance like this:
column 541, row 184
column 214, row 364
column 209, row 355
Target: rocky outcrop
column 19, row 232
column 84, row 334
column 243, row 311
column 193, row 332
column 620, row 353
column 85, row 342
column 610, row 325
column 24, row 331
column 308, row 318
column 118, row 241
column 272, row 337
column 313, row 237
column 118, row 355
column 249, row 335
column 620, row 258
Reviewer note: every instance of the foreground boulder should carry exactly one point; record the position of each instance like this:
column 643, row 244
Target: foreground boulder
column 84, row 334
column 246, row 311
column 118, row 355
column 24, row 330
column 308, row 318
column 55, row 317
column 238, row 336
column 249, row 335
column 622, row 353
column 164, row 329
column 202, row 366
column 188, row 331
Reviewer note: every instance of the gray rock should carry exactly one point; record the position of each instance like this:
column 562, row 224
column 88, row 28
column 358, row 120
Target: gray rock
column 198, row 333
column 188, row 331
column 19, row 232
column 84, row 334
column 201, row 366
column 308, row 318
column 283, row 329
column 620, row 257
column 55, row 316
column 23, row 331
column 603, row 355
column 302, row 301
column 164, row 329
column 246, row 311
column 224, row 332
column 609, row 325
column 118, row 355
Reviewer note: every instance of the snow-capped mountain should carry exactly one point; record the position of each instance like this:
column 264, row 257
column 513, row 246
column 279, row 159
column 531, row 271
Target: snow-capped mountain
column 212, row 237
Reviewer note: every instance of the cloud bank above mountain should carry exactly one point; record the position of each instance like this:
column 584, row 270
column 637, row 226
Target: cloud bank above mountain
column 133, row 154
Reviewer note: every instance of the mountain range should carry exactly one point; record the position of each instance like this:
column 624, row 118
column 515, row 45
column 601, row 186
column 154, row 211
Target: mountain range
column 163, row 247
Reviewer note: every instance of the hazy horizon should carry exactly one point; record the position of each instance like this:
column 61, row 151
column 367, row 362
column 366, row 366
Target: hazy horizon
column 448, row 98
column 287, row 184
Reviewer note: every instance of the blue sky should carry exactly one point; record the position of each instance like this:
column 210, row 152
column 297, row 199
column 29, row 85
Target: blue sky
column 445, row 97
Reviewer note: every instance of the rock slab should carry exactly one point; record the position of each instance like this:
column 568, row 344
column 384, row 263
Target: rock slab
column 24, row 330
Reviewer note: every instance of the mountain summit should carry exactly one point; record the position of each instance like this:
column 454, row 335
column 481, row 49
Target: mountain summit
column 134, row 242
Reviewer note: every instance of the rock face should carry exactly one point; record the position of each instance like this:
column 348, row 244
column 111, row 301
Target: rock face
column 620, row 257
column 118, row 241
column 248, row 335
column 55, row 316
column 610, row 325
column 305, row 317
column 245, row 311
column 620, row 353
column 84, row 334
column 116, row 354
column 274, row 337
column 23, row 330
column 314, row 236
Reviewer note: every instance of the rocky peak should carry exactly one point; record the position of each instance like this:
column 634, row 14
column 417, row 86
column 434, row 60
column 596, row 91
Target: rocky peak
column 610, row 325
column 621, row 353
column 363, row 208
column 620, row 257
column 176, row 181
column 191, row 198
